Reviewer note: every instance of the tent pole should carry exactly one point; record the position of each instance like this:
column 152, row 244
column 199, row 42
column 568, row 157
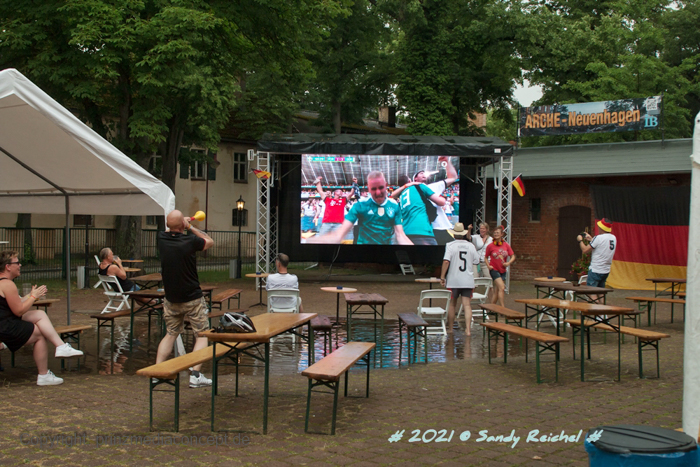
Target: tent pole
column 66, row 249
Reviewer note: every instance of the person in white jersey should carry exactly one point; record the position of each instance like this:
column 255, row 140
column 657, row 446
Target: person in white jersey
column 283, row 280
column 458, row 274
column 602, row 248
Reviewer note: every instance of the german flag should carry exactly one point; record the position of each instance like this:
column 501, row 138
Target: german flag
column 651, row 227
column 519, row 185
column 261, row 174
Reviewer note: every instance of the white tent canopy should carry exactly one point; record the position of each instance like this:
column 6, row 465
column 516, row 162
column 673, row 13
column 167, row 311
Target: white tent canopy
column 52, row 163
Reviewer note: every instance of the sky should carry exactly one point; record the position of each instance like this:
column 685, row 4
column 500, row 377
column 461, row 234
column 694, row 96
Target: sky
column 526, row 94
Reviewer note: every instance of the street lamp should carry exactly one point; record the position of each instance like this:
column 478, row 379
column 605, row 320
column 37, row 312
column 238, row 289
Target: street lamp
column 240, row 204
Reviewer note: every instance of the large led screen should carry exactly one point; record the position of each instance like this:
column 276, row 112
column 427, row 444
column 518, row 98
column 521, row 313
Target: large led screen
column 378, row 200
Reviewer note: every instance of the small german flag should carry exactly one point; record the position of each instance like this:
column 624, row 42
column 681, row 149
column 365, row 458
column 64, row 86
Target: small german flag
column 261, row 174
column 519, row 185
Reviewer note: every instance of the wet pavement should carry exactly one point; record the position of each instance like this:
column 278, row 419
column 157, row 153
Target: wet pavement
column 102, row 419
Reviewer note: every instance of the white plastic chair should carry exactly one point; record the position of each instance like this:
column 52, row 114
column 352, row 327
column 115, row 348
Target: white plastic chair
column 427, row 312
column 481, row 298
column 113, row 290
column 99, row 282
column 285, row 296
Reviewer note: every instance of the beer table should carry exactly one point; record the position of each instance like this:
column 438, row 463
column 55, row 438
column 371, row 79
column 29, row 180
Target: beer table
column 157, row 295
column 559, row 289
column 258, row 281
column 267, row 326
column 45, row 302
column 431, row 281
column 601, row 314
column 676, row 284
column 149, row 281
column 550, row 279
column 375, row 302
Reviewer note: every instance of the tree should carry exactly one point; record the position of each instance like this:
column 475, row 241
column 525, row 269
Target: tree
column 455, row 58
column 352, row 66
column 625, row 56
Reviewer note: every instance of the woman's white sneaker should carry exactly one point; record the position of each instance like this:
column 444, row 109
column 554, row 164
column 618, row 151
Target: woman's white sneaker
column 65, row 350
column 49, row 379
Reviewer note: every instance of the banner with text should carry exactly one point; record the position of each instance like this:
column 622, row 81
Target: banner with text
column 642, row 113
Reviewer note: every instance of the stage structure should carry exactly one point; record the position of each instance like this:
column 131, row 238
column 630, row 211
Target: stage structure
column 282, row 156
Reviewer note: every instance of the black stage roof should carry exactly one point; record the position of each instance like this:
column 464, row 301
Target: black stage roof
column 398, row 145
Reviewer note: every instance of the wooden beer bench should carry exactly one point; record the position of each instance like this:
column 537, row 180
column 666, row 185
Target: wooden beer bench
column 327, row 372
column 644, row 304
column 645, row 338
column 168, row 372
column 415, row 326
column 322, row 324
column 548, row 342
column 228, row 294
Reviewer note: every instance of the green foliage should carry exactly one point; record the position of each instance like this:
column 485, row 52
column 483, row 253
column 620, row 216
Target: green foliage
column 596, row 51
column 28, row 257
column 454, row 58
column 581, row 265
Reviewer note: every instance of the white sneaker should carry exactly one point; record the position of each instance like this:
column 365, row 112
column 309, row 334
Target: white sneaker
column 199, row 381
column 49, row 379
column 2, row 346
column 65, row 350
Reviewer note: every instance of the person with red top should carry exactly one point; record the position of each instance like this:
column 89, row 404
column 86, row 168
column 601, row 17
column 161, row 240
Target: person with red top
column 334, row 212
column 499, row 255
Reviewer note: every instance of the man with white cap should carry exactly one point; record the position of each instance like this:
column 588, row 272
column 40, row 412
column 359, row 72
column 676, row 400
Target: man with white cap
column 602, row 248
column 458, row 274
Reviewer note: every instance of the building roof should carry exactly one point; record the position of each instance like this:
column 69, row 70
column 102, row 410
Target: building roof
column 591, row 160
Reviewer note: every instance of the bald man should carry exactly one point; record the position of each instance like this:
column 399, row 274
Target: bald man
column 183, row 297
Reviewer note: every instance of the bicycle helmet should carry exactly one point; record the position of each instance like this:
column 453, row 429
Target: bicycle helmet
column 235, row 322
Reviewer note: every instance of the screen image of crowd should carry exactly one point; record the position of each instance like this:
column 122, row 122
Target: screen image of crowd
column 385, row 200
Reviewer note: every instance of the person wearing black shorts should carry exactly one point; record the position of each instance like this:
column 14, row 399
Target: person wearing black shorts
column 499, row 256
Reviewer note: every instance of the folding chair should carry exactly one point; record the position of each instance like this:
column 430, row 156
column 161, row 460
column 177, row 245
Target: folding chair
column 113, row 290
column 404, row 262
column 99, row 282
column 428, row 312
column 480, row 297
column 280, row 301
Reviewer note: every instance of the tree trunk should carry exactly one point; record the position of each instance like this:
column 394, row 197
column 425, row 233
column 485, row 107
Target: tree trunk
column 24, row 221
column 337, row 121
column 128, row 237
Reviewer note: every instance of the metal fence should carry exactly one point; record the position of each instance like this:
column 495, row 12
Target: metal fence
column 43, row 257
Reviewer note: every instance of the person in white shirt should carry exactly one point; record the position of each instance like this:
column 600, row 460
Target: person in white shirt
column 458, row 274
column 283, row 280
column 602, row 248
column 481, row 241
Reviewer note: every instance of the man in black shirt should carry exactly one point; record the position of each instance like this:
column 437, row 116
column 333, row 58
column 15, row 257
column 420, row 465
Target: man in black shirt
column 183, row 297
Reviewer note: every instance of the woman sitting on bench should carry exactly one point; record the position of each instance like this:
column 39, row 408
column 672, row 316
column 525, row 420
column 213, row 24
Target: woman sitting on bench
column 20, row 325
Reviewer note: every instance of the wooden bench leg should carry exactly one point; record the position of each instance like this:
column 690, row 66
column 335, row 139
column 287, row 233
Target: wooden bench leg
column 151, row 388
column 640, row 348
column 541, row 348
column 74, row 337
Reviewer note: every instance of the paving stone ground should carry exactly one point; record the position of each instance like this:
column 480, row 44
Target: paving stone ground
column 102, row 419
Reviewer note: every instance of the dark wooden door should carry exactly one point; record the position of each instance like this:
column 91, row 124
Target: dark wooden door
column 572, row 221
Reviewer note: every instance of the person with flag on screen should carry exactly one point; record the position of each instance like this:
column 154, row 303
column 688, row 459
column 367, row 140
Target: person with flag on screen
column 334, row 208
column 602, row 249
column 379, row 218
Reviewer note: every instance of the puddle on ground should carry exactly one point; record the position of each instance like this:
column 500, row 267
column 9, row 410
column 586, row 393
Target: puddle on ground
column 288, row 355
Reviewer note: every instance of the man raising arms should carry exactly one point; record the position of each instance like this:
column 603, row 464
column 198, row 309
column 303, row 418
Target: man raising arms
column 183, row 297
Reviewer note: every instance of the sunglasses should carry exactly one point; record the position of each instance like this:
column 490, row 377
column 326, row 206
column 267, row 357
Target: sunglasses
column 15, row 262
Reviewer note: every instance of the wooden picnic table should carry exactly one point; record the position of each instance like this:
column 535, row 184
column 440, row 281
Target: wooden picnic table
column 267, row 326
column 559, row 289
column 676, row 285
column 45, row 302
column 157, row 295
column 149, row 281
column 550, row 279
column 355, row 302
column 599, row 314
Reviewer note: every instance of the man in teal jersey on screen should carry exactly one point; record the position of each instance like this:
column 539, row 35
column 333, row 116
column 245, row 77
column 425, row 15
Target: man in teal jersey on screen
column 413, row 198
column 379, row 218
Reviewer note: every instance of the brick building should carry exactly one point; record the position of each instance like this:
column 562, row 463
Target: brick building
column 558, row 204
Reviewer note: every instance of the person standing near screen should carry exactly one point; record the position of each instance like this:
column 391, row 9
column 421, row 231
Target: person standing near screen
column 499, row 256
column 458, row 274
column 334, row 212
column 414, row 198
column 379, row 218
